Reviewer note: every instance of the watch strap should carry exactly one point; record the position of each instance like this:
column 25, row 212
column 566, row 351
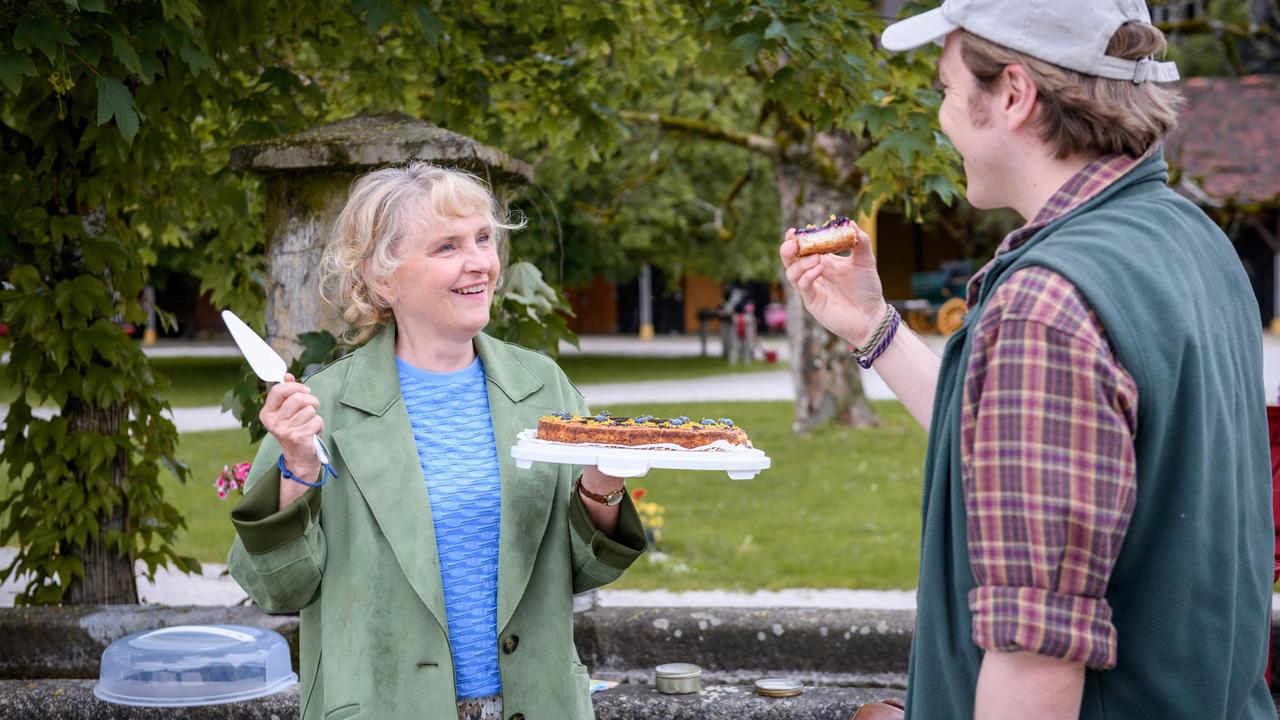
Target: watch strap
column 609, row 500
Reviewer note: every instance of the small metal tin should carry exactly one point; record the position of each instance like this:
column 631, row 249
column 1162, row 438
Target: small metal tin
column 778, row 687
column 678, row 678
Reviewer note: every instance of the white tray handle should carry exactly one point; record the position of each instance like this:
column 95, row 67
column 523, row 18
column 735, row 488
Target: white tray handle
column 623, row 468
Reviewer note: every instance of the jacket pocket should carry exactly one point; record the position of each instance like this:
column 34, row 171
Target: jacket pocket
column 346, row 711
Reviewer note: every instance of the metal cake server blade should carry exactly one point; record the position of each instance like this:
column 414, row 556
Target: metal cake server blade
column 266, row 363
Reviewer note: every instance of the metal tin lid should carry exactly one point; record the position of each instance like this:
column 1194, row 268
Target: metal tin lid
column 675, row 671
column 778, row 687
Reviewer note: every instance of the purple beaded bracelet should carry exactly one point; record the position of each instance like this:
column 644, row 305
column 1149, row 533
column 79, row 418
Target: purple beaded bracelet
column 866, row 361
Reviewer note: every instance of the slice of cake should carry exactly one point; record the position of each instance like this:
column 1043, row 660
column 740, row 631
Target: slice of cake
column 839, row 233
column 605, row 429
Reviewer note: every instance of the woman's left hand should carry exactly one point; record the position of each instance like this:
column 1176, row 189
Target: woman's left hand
column 605, row 517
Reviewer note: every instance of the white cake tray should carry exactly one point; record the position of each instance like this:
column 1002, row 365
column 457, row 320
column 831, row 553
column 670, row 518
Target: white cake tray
column 741, row 464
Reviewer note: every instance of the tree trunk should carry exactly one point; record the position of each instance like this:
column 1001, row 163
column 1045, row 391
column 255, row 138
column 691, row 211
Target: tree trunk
column 108, row 577
column 827, row 380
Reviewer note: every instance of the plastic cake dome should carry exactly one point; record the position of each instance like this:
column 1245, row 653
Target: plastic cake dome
column 194, row 665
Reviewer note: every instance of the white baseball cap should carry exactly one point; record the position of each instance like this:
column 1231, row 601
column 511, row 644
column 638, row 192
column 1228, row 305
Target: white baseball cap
column 1072, row 34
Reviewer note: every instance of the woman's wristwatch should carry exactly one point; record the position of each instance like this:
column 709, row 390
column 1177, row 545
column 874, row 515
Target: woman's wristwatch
column 609, row 500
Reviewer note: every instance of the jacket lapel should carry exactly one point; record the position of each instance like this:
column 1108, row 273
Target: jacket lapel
column 526, row 496
column 382, row 459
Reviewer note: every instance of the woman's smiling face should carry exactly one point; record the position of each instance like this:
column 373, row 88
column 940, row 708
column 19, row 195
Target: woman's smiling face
column 446, row 278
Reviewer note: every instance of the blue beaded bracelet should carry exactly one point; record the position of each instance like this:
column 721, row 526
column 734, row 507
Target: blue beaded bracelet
column 325, row 468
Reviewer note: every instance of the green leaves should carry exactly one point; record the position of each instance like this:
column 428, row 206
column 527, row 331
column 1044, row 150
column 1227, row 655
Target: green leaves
column 81, row 298
column 377, row 13
column 13, row 68
column 793, row 34
column 77, row 238
column 748, row 44
column 115, row 101
column 185, row 11
column 196, row 59
column 530, row 312
column 42, row 33
column 123, row 49
column 430, row 25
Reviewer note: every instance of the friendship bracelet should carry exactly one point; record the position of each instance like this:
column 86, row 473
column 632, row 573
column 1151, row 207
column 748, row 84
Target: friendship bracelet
column 866, row 362
column 287, row 473
column 877, row 336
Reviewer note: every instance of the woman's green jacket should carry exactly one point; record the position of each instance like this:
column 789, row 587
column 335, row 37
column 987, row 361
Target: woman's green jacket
column 365, row 574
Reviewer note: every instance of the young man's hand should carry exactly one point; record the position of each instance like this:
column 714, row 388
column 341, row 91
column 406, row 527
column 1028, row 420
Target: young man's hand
column 843, row 293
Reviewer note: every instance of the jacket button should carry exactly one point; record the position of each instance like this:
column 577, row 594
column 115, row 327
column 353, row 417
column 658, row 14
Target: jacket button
column 517, row 716
column 510, row 644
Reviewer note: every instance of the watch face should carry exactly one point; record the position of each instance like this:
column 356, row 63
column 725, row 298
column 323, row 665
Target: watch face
column 614, row 498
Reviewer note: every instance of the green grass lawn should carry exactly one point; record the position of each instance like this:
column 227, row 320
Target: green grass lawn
column 200, row 380
column 204, row 380
column 209, row 533
column 839, row 508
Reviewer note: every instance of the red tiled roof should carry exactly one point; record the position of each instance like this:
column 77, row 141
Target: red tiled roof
column 1228, row 140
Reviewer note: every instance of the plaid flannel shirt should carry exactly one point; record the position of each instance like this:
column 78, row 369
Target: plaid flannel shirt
column 1047, row 426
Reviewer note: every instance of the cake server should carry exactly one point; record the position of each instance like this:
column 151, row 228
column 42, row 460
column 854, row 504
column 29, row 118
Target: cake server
column 266, row 363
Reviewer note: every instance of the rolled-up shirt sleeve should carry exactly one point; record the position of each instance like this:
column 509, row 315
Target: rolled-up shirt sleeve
column 1049, row 471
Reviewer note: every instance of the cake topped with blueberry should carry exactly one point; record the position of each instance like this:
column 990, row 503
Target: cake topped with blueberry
column 604, row 428
column 838, row 233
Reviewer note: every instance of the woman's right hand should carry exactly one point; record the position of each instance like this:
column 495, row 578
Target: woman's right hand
column 290, row 415
column 843, row 293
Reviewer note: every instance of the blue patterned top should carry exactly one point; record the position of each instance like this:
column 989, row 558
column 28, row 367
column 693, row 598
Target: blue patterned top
column 449, row 414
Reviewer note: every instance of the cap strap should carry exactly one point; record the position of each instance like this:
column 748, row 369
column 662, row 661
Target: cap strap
column 1149, row 69
column 1139, row 71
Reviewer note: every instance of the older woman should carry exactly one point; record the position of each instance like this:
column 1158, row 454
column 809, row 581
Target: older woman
column 434, row 579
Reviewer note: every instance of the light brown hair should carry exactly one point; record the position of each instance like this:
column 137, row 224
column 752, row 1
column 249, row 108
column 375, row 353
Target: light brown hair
column 1083, row 114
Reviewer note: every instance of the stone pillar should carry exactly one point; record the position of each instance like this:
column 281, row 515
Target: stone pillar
column 308, row 175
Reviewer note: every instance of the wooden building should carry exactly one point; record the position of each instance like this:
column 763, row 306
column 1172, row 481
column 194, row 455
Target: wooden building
column 1226, row 158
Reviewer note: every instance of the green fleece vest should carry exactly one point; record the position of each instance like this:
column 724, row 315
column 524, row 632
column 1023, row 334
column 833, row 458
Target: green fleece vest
column 1190, row 593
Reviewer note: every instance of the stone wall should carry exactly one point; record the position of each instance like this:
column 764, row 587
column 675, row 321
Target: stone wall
column 844, row 657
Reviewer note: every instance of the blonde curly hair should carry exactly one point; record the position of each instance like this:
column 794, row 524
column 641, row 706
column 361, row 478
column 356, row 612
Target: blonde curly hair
column 364, row 249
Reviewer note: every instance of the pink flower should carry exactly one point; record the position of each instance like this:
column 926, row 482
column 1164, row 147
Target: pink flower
column 232, row 477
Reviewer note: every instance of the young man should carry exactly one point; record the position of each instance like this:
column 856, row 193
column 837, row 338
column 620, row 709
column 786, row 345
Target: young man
column 1097, row 531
